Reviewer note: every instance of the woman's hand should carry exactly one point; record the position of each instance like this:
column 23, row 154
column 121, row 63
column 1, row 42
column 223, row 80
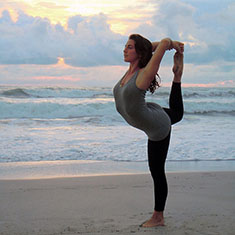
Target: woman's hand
column 178, row 46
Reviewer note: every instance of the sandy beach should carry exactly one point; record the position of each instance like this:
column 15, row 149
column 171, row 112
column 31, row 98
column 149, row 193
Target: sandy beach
column 198, row 203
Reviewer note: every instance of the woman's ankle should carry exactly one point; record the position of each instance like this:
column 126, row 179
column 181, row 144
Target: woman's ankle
column 157, row 219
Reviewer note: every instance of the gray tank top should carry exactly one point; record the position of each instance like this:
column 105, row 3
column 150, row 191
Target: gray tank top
column 146, row 116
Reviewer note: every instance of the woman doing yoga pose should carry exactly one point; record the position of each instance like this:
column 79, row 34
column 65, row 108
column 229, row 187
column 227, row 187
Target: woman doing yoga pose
column 144, row 60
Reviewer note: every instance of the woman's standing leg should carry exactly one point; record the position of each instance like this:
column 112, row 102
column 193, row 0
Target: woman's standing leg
column 157, row 153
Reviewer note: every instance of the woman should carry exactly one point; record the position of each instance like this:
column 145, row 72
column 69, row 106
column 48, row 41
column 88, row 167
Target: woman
column 144, row 58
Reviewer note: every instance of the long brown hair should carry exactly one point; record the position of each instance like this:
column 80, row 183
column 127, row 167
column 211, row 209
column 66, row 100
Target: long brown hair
column 144, row 49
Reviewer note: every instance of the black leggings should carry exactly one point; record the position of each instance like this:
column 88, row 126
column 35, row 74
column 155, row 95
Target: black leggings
column 157, row 150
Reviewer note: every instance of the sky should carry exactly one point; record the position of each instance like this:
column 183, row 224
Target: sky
column 80, row 42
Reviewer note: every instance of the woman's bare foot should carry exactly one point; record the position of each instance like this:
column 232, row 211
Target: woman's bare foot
column 157, row 219
column 178, row 66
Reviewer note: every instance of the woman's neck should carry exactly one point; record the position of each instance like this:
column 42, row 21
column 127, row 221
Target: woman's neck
column 133, row 68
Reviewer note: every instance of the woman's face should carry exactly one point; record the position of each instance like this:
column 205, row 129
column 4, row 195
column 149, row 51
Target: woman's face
column 129, row 52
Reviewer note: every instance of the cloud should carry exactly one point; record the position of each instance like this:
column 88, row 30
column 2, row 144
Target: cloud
column 29, row 40
column 88, row 41
column 92, row 42
column 89, row 46
column 172, row 18
column 59, row 74
column 208, row 35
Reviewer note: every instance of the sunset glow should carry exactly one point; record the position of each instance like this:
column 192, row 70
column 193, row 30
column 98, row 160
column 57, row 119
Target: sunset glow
column 61, row 62
column 121, row 15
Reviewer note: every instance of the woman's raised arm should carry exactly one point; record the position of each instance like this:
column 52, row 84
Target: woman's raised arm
column 154, row 45
column 147, row 74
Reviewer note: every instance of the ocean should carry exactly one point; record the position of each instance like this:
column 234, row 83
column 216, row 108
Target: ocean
column 58, row 124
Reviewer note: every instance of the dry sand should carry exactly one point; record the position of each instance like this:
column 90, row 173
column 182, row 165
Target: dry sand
column 198, row 203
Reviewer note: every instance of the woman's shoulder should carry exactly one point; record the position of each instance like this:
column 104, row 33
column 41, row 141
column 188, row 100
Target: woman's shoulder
column 139, row 79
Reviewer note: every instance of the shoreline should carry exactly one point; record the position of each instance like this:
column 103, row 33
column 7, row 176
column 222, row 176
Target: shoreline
column 83, row 168
column 117, row 205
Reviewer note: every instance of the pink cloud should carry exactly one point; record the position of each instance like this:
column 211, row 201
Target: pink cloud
column 49, row 78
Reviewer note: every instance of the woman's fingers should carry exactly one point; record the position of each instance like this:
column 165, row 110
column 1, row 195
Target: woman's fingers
column 178, row 46
column 182, row 47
